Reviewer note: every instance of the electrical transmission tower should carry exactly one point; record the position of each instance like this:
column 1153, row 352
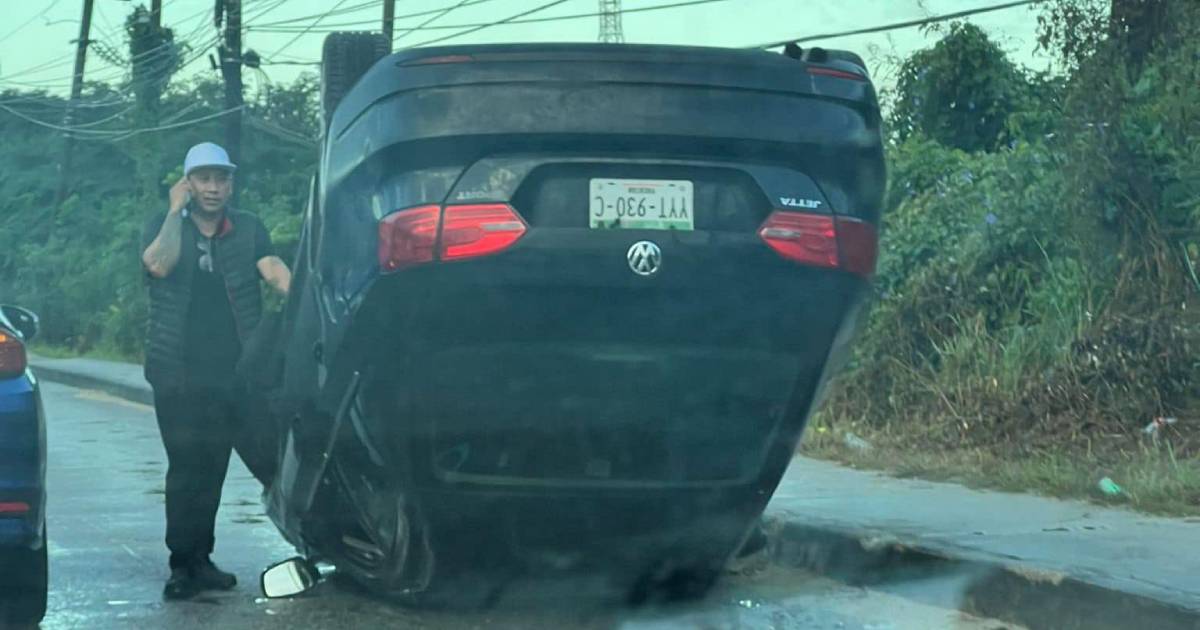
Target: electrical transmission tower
column 610, row 22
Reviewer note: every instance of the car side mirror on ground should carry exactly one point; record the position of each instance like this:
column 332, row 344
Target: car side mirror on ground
column 289, row 578
column 23, row 320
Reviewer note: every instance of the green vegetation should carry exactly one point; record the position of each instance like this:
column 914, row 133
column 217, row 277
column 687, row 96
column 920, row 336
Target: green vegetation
column 1037, row 302
column 1154, row 478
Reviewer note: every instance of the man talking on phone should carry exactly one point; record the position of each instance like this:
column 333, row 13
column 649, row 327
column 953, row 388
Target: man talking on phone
column 204, row 262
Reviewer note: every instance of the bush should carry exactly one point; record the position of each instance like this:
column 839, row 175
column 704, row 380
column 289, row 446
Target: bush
column 961, row 92
column 1042, row 296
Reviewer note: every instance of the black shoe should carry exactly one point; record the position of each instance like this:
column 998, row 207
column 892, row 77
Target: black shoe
column 207, row 576
column 180, row 585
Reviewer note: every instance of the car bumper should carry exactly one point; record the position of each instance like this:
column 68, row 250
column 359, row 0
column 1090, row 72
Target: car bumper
column 22, row 528
column 20, row 533
column 22, row 464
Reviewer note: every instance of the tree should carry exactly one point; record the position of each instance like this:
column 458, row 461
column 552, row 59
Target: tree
column 1076, row 29
column 960, row 92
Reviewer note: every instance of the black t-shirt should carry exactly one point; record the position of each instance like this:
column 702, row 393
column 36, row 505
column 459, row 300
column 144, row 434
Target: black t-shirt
column 210, row 342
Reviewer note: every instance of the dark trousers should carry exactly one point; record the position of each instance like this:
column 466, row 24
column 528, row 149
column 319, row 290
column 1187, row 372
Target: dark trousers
column 198, row 430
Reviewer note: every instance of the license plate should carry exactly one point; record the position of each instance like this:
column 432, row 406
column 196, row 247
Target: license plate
column 641, row 204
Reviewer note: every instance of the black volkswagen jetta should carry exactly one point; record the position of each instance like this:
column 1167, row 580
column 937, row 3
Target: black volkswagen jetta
column 563, row 307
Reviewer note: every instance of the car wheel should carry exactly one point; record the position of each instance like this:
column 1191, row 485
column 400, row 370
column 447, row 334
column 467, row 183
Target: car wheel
column 345, row 57
column 23, row 585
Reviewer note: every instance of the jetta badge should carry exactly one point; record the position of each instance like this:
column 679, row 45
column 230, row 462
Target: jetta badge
column 645, row 258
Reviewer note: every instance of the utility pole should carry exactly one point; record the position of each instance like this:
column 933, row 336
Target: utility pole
column 231, row 69
column 610, row 22
column 156, row 14
column 85, row 29
column 1137, row 24
column 389, row 19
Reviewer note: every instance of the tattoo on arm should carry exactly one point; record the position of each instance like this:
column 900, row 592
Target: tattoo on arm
column 162, row 255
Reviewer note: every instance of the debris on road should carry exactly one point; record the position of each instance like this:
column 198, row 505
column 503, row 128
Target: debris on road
column 856, row 443
column 1158, row 424
column 1110, row 487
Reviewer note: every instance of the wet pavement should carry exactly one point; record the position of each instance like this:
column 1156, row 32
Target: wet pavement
column 1115, row 567
column 108, row 562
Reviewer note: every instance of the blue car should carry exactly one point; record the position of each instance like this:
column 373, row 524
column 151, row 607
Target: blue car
column 23, row 578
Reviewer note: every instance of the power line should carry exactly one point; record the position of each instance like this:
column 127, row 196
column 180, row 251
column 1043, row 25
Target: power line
column 556, row 18
column 97, row 123
column 116, row 135
column 29, row 21
column 280, row 132
column 290, row 63
column 899, row 25
column 542, row 7
column 151, row 55
column 278, row 3
column 161, row 52
column 42, row 123
column 330, row 28
column 193, row 39
column 431, row 20
column 593, row 14
column 187, row 123
column 479, row 26
column 56, row 62
column 282, row 25
column 115, row 102
column 302, row 33
column 343, row 11
column 53, row 102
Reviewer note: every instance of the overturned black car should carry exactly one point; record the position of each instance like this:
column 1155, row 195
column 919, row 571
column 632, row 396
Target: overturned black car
column 562, row 307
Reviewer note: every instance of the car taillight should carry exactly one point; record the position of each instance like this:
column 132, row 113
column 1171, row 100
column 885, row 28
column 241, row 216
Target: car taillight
column 835, row 73
column 479, row 230
column 12, row 355
column 822, row 240
column 438, row 60
column 14, row 507
column 804, row 238
column 408, row 237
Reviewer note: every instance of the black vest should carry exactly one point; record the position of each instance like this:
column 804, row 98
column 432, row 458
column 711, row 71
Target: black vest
column 170, row 297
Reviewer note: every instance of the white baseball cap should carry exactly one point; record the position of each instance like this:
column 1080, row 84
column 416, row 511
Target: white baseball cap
column 206, row 154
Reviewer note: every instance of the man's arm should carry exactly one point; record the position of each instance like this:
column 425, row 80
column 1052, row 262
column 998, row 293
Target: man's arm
column 270, row 267
column 161, row 256
column 276, row 273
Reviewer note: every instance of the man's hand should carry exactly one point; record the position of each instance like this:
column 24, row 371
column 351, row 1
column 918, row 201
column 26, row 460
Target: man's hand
column 181, row 194
column 276, row 273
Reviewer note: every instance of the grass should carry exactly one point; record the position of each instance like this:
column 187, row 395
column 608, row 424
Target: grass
column 1152, row 478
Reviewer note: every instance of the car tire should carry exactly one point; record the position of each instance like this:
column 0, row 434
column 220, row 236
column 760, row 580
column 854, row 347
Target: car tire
column 24, row 585
column 345, row 57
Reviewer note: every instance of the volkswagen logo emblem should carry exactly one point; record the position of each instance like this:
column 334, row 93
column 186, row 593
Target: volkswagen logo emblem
column 645, row 258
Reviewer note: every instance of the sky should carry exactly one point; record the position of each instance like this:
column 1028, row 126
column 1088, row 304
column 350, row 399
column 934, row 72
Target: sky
column 37, row 49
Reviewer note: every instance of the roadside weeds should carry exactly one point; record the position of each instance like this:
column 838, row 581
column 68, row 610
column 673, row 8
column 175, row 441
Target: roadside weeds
column 1152, row 478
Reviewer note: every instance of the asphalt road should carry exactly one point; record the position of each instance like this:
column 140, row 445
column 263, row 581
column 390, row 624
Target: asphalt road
column 108, row 562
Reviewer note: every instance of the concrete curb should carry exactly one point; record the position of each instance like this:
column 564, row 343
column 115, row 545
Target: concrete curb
column 140, row 394
column 969, row 580
column 986, row 587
